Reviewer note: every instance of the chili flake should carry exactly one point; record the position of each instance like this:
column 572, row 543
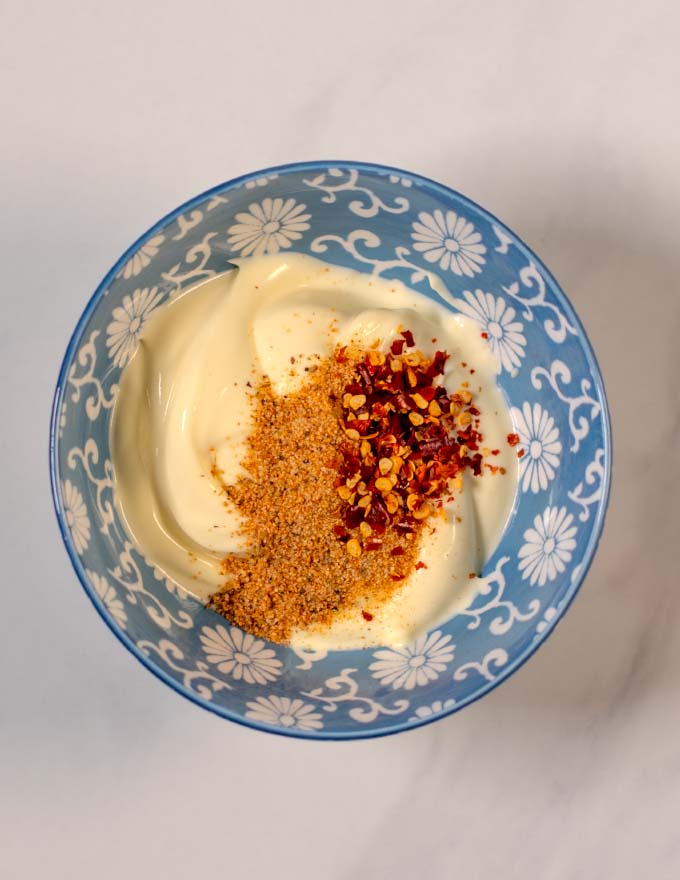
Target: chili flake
column 408, row 441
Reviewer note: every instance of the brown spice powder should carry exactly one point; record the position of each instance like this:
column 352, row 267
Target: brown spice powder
column 297, row 572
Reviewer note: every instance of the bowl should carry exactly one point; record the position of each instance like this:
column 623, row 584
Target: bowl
column 397, row 225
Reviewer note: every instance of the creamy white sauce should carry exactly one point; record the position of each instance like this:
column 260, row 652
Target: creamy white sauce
column 183, row 405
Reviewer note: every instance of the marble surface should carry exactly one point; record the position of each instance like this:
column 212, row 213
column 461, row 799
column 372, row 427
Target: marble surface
column 562, row 118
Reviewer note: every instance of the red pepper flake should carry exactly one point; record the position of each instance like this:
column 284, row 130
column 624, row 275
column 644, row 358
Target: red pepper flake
column 420, row 564
column 513, row 439
column 398, row 577
column 434, row 341
column 366, row 375
column 366, row 615
column 407, row 426
column 484, row 335
column 463, row 364
column 472, row 575
column 495, row 452
column 520, row 453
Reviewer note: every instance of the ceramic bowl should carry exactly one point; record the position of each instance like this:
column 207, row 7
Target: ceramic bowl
column 397, row 225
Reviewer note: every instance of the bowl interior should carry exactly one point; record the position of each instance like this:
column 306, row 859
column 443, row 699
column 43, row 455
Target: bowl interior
column 397, row 225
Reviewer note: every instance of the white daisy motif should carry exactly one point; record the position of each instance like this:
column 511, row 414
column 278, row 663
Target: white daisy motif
column 548, row 546
column 75, row 513
column 414, row 665
column 260, row 181
column 499, row 327
column 143, row 257
column 109, row 597
column 540, row 440
column 240, row 654
column 449, row 240
column 128, row 319
column 434, row 709
column 268, row 227
column 284, row 712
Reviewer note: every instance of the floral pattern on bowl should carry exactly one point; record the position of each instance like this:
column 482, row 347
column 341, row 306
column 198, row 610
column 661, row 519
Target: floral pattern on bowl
column 397, row 225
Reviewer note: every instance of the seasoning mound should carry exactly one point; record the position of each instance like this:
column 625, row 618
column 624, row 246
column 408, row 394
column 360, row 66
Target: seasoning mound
column 343, row 479
column 410, row 440
column 297, row 571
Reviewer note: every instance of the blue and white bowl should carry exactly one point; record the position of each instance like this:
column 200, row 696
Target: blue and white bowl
column 397, row 225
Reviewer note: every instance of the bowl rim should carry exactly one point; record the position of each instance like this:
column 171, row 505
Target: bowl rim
column 157, row 670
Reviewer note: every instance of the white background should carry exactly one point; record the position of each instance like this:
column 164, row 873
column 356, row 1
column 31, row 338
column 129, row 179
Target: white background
column 561, row 118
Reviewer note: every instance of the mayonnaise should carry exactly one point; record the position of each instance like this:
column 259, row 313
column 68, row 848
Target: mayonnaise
column 183, row 407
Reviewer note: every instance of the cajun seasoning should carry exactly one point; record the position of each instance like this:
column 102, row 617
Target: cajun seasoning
column 298, row 570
